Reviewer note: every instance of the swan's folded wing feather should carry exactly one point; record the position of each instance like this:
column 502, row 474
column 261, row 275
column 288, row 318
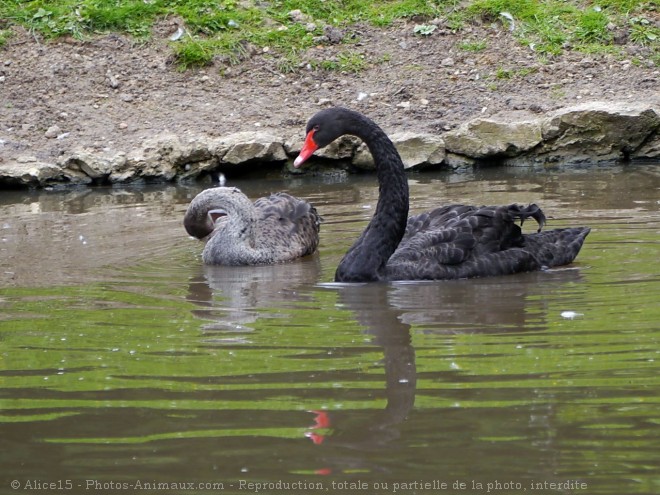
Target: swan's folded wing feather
column 557, row 247
column 459, row 241
column 440, row 218
column 451, row 245
column 291, row 223
column 512, row 260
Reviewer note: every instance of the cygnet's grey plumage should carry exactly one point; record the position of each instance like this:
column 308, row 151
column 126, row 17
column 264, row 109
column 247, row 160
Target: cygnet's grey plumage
column 237, row 231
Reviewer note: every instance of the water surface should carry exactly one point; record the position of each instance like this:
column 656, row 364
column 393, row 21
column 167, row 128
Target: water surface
column 125, row 361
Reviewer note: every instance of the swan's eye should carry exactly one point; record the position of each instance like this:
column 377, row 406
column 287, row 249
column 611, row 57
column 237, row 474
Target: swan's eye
column 316, row 127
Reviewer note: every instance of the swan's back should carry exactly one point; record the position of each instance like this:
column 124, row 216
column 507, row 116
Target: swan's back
column 288, row 225
column 459, row 241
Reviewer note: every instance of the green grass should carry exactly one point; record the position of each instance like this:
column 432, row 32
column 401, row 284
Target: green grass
column 228, row 28
column 502, row 74
column 346, row 61
column 473, row 46
column 4, row 36
column 551, row 26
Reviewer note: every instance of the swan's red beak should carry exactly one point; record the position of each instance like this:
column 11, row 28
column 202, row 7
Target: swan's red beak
column 307, row 150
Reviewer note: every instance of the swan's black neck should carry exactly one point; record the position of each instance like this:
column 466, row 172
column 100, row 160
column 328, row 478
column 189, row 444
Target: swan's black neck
column 367, row 258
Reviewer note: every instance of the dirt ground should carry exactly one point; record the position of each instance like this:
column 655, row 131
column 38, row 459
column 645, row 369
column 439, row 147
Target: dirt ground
column 111, row 93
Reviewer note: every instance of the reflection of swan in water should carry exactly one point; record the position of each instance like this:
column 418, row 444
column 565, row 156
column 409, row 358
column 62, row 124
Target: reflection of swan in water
column 387, row 311
column 273, row 229
column 379, row 319
column 451, row 242
column 233, row 295
column 479, row 305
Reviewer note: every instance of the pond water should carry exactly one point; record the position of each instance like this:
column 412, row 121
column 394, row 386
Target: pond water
column 125, row 363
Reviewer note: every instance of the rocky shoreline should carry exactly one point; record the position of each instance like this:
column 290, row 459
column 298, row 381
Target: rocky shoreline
column 109, row 110
column 592, row 132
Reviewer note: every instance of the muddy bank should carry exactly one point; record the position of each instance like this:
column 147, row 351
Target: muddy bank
column 108, row 110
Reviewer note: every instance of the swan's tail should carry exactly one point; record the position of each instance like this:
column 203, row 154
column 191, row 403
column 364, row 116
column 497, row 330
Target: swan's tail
column 556, row 247
column 525, row 212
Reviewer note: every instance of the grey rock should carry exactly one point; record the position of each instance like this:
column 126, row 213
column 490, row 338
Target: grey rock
column 415, row 149
column 341, row 149
column 113, row 82
column 334, row 35
column 250, row 146
column 483, row 138
column 649, row 149
column 457, row 162
column 83, row 167
column 297, row 16
column 594, row 132
column 53, row 131
column 30, row 173
column 195, row 158
column 598, row 131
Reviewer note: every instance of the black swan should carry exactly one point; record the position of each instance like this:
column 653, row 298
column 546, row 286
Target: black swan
column 450, row 242
column 273, row 229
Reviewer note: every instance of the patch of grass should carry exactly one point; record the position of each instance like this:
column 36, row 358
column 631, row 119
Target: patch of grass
column 346, row 61
column 193, row 53
column 643, row 31
column 5, row 34
column 269, row 23
column 549, row 26
column 525, row 71
column 133, row 16
column 546, row 39
column 383, row 13
column 69, row 17
column 490, row 10
column 592, row 27
column 225, row 27
column 503, row 74
column 473, row 46
column 289, row 63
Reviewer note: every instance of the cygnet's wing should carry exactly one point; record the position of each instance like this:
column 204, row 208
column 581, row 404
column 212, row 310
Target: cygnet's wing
column 288, row 223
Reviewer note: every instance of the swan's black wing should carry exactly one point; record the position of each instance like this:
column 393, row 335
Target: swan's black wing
column 458, row 241
column 288, row 223
column 556, row 247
